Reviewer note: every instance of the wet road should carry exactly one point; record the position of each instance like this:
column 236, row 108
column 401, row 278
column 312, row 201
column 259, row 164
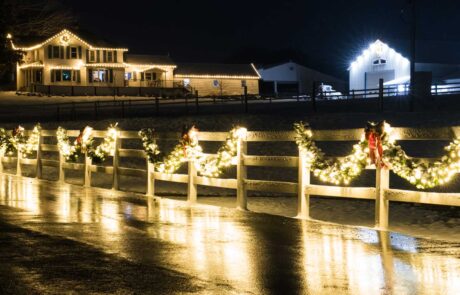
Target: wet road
column 206, row 249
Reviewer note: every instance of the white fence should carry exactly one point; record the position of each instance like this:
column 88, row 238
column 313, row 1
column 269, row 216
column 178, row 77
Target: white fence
column 381, row 192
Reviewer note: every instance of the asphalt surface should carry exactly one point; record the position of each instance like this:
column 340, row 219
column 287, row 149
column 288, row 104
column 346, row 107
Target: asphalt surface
column 61, row 239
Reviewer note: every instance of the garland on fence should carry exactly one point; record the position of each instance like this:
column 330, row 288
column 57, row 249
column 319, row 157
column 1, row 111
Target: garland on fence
column 150, row 146
column 212, row 166
column 18, row 141
column 335, row 171
column 421, row 174
column 189, row 149
column 377, row 147
column 106, row 148
column 84, row 143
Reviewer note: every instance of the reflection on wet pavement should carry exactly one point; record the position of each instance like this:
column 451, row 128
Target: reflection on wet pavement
column 247, row 252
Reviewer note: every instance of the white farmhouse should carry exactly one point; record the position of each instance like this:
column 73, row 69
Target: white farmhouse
column 379, row 61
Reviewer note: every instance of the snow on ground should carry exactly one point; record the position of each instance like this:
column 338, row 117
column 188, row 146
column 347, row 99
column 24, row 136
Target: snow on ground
column 438, row 222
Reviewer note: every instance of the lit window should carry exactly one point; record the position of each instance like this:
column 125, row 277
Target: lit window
column 99, row 76
column 186, row 82
column 73, row 52
column 128, row 76
column 66, row 75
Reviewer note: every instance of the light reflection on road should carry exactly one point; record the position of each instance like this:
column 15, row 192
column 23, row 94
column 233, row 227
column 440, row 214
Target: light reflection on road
column 251, row 252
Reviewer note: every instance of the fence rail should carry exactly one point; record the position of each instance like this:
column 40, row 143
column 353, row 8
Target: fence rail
column 303, row 188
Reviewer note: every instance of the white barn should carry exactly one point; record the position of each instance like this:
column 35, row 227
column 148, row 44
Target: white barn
column 291, row 77
column 379, row 61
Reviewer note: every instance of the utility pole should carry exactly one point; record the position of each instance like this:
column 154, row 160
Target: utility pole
column 413, row 26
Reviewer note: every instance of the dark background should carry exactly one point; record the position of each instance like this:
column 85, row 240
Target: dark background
column 326, row 35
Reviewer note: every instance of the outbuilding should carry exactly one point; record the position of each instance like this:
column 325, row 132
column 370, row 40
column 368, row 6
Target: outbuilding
column 218, row 79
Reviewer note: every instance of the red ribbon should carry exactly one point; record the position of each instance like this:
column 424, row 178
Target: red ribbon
column 375, row 148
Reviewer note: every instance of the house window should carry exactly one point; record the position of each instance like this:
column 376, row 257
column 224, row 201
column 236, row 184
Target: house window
column 92, row 56
column 56, row 51
column 109, row 56
column 66, row 75
column 73, row 52
column 128, row 76
column 99, row 76
column 57, row 75
column 215, row 83
column 150, row 76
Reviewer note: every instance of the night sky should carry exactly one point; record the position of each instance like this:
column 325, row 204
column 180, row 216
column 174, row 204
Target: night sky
column 325, row 34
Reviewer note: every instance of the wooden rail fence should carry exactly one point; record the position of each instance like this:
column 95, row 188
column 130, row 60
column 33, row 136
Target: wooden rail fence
column 381, row 192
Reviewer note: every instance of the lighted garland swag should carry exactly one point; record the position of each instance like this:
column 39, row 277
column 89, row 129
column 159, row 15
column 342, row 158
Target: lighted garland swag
column 10, row 144
column 377, row 147
column 189, row 149
column 84, row 143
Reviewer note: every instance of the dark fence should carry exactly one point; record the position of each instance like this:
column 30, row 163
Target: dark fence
column 109, row 91
column 443, row 98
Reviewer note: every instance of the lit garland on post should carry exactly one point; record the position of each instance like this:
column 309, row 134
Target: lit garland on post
column 150, row 147
column 106, row 148
column 424, row 175
column 212, row 166
column 85, row 143
column 71, row 151
column 187, row 149
column 335, row 171
column 18, row 141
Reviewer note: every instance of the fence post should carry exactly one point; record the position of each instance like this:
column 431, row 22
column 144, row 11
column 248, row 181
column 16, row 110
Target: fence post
column 381, row 95
column 150, row 179
column 18, row 165
column 303, row 203
column 241, row 174
column 1, row 160
column 191, row 186
column 245, row 99
column 382, row 205
column 197, row 102
column 116, row 163
column 39, row 167
column 313, row 96
column 87, row 170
